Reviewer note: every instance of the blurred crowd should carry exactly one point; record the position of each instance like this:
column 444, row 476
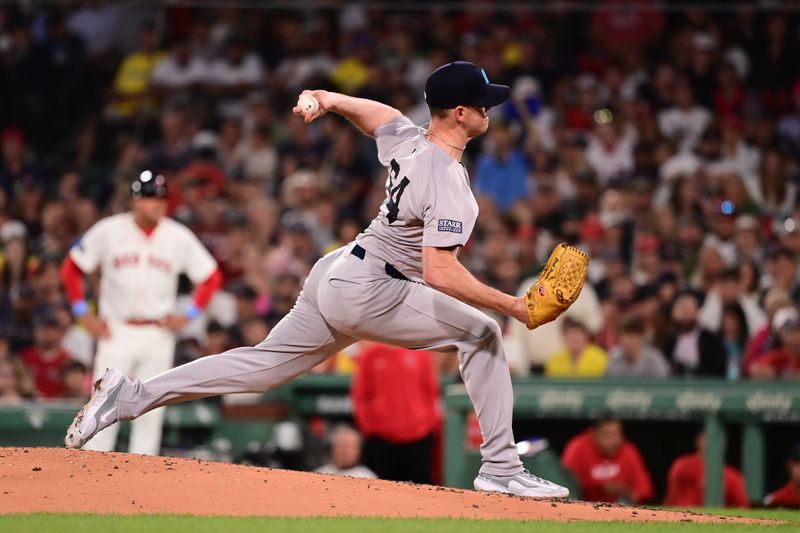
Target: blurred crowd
column 665, row 143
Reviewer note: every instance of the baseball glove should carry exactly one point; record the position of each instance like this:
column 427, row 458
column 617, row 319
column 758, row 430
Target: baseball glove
column 558, row 285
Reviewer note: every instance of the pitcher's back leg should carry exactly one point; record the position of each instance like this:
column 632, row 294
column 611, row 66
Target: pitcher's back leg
column 299, row 342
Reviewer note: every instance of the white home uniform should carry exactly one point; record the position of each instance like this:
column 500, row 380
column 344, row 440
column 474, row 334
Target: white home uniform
column 138, row 288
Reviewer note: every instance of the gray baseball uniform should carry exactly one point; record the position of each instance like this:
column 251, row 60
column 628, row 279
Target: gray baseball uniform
column 364, row 291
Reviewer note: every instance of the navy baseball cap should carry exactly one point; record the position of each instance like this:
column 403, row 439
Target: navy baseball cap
column 149, row 185
column 463, row 83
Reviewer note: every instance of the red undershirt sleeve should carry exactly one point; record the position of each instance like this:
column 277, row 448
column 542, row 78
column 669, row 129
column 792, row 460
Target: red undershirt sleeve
column 204, row 291
column 72, row 278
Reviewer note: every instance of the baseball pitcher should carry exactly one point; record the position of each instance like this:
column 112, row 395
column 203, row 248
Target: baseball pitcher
column 399, row 283
column 140, row 255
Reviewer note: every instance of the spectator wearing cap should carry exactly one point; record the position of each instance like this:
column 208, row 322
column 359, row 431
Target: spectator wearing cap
column 45, row 359
column 501, row 171
column 635, row 357
column 788, row 495
column 580, row 357
column 784, row 361
column 693, row 350
column 686, row 480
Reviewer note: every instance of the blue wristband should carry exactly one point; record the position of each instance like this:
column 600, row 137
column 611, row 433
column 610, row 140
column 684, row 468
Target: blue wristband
column 192, row 312
column 80, row 308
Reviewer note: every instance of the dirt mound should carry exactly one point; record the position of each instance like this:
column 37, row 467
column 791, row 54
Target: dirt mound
column 55, row 480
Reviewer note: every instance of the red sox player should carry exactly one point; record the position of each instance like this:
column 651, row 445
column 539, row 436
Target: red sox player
column 140, row 255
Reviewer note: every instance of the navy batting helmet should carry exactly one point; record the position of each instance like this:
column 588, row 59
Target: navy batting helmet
column 149, row 185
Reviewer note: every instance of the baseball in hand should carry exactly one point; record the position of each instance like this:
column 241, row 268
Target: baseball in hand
column 307, row 103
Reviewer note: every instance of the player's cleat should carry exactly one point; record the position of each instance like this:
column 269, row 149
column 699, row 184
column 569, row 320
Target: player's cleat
column 522, row 484
column 98, row 413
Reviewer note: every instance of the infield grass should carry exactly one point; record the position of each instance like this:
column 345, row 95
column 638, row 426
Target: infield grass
column 82, row 523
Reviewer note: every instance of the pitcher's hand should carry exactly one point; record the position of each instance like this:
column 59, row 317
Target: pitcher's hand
column 325, row 100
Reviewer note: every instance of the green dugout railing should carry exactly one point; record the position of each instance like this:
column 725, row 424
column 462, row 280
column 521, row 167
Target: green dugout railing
column 716, row 403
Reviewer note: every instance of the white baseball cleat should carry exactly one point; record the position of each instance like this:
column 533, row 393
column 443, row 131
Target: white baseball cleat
column 98, row 413
column 522, row 484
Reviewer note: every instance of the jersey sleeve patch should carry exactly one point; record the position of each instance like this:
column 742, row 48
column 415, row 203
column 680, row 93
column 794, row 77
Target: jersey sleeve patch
column 451, row 226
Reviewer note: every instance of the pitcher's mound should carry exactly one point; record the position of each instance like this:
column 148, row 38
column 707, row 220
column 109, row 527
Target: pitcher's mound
column 56, row 480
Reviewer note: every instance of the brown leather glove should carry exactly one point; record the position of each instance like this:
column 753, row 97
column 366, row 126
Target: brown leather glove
column 558, row 285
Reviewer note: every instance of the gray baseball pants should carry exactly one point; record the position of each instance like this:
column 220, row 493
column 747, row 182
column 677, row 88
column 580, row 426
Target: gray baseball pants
column 345, row 299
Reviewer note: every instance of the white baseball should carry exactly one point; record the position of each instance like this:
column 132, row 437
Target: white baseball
column 307, row 103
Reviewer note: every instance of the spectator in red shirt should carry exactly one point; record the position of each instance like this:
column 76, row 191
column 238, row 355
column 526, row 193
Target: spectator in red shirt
column 686, row 481
column 608, row 467
column 782, row 362
column 789, row 494
column 46, row 358
column 395, row 396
